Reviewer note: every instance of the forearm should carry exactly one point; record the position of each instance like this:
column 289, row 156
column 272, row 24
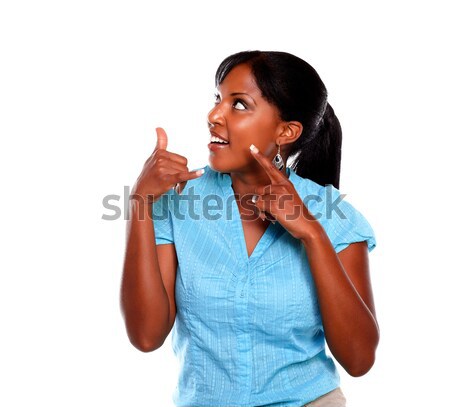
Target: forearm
column 350, row 328
column 144, row 301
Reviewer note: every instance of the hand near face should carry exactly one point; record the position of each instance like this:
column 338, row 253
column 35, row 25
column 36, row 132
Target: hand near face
column 162, row 170
column 281, row 201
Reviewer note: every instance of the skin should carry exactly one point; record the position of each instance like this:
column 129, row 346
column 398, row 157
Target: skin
column 245, row 119
column 342, row 280
column 147, row 293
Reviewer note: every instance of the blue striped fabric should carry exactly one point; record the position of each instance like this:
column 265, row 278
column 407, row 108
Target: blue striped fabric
column 248, row 330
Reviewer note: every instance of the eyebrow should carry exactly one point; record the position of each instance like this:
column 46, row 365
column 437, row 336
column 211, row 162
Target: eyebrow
column 242, row 93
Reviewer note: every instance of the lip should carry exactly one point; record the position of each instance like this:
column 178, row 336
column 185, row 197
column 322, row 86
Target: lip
column 213, row 133
column 216, row 147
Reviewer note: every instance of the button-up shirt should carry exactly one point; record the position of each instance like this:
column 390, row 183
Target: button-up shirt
column 248, row 330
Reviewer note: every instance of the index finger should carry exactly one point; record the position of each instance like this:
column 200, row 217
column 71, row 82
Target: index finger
column 273, row 172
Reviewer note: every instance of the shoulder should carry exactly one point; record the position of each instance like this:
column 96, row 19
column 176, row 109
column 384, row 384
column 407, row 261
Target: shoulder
column 330, row 206
column 312, row 193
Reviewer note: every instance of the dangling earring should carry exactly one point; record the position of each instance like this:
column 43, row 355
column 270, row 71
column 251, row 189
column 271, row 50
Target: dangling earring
column 278, row 160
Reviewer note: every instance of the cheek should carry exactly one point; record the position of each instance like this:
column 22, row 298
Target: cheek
column 243, row 124
column 251, row 129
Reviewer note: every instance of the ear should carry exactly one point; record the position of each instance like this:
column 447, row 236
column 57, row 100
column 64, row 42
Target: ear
column 291, row 132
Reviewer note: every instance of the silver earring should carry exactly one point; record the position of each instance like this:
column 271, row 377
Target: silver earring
column 278, row 160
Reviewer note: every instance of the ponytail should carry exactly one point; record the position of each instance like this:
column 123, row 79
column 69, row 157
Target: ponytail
column 317, row 155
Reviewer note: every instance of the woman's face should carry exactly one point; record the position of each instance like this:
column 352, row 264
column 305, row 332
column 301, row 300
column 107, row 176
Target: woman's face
column 242, row 117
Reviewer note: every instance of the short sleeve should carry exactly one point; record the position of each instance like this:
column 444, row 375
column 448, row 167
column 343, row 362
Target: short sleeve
column 162, row 220
column 344, row 223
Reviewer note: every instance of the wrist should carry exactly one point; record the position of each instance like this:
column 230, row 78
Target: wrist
column 143, row 197
column 314, row 233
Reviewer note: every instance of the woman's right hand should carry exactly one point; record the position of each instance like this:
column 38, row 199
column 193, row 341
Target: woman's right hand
column 162, row 171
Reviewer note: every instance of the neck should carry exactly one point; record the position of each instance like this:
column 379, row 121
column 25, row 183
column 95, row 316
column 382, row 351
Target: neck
column 244, row 183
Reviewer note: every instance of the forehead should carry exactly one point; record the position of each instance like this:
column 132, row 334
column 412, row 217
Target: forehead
column 240, row 79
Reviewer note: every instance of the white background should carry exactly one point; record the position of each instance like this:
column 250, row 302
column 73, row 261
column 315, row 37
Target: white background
column 83, row 84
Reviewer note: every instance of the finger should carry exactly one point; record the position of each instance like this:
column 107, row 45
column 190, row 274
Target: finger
column 167, row 156
column 263, row 203
column 161, row 139
column 273, row 172
column 169, row 173
column 175, row 166
column 264, row 213
column 260, row 213
column 161, row 144
column 269, row 217
column 184, row 176
column 177, row 157
column 171, row 167
column 264, row 189
column 180, row 186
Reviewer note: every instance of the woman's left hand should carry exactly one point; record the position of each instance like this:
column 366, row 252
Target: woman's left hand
column 281, row 202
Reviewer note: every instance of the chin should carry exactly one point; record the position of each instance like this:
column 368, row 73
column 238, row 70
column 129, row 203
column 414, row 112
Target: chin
column 218, row 166
column 229, row 167
column 229, row 163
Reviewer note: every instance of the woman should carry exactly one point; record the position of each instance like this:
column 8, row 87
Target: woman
column 257, row 262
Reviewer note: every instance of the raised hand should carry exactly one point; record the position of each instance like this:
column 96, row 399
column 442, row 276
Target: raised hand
column 162, row 170
column 279, row 201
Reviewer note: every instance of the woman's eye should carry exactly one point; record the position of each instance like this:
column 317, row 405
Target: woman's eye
column 216, row 99
column 238, row 105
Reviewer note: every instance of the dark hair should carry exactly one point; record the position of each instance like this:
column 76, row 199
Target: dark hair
column 295, row 88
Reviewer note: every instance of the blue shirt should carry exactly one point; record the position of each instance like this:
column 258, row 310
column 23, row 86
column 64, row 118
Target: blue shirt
column 248, row 330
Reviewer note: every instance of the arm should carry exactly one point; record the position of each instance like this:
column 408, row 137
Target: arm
column 148, row 284
column 342, row 280
column 345, row 298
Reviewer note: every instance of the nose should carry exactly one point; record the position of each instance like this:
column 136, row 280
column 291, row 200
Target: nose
column 215, row 116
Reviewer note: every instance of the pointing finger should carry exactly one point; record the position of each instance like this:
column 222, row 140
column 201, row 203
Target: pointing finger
column 273, row 172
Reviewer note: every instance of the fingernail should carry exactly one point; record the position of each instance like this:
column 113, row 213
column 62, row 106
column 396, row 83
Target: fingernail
column 254, row 149
column 200, row 172
column 254, row 198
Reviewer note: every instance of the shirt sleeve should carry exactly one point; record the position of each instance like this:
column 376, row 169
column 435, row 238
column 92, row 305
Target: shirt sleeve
column 345, row 224
column 162, row 220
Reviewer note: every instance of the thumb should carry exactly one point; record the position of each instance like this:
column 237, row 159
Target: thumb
column 161, row 142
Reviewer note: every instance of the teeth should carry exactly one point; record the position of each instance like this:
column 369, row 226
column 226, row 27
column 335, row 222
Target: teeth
column 215, row 139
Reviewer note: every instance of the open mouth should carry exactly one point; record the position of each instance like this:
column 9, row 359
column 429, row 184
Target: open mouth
column 218, row 140
column 217, row 143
